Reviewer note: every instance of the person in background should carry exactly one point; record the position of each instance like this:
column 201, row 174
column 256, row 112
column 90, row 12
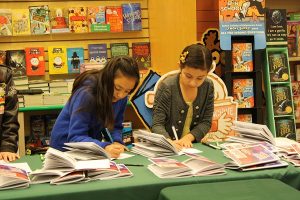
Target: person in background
column 9, row 125
column 98, row 101
column 184, row 102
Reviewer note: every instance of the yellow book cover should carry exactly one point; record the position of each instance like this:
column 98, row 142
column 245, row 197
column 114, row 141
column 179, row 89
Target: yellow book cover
column 78, row 20
column 21, row 22
column 57, row 60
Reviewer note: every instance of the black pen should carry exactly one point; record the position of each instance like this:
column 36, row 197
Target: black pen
column 212, row 146
column 134, row 165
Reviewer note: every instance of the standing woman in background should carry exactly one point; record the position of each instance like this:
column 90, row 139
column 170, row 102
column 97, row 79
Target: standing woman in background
column 98, row 101
column 184, row 102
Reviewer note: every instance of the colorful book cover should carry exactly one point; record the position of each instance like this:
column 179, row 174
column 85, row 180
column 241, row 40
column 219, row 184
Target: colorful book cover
column 6, row 22
column 96, row 19
column 282, row 102
column 57, row 60
column 75, row 58
column 292, row 46
column 114, row 17
column 16, row 60
column 78, row 20
column 35, row 61
column 296, row 88
column 132, row 17
column 292, row 28
column 21, row 22
column 242, row 58
column 245, row 118
column 276, row 26
column 243, row 92
column 297, row 107
column 59, row 20
column 2, row 57
column 141, row 53
column 278, row 67
column 97, row 53
column 39, row 19
column 119, row 49
column 285, row 128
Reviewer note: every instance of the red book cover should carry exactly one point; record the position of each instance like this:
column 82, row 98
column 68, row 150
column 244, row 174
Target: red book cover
column 35, row 61
column 114, row 17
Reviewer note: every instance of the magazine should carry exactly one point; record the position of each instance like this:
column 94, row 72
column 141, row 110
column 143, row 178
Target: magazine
column 85, row 151
column 276, row 164
column 13, row 177
column 152, row 145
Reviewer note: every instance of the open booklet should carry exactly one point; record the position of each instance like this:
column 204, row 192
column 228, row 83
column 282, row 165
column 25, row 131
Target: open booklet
column 13, row 177
column 195, row 166
column 289, row 150
column 252, row 132
column 250, row 156
column 152, row 145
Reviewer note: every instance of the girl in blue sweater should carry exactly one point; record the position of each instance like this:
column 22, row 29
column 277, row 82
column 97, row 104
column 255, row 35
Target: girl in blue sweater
column 98, row 101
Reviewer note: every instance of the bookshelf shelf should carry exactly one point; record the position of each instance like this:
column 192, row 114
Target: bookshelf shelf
column 41, row 108
column 294, row 59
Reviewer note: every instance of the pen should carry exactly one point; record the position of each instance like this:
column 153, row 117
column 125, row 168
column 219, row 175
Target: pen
column 212, row 146
column 174, row 132
column 109, row 135
column 135, row 165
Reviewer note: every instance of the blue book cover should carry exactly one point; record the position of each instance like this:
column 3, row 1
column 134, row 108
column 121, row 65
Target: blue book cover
column 97, row 53
column 132, row 20
column 75, row 58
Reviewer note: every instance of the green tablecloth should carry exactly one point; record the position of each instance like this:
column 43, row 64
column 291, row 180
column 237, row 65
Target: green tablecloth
column 253, row 189
column 144, row 185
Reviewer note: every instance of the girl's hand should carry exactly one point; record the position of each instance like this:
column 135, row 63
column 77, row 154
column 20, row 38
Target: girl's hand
column 186, row 141
column 114, row 150
column 8, row 156
column 175, row 144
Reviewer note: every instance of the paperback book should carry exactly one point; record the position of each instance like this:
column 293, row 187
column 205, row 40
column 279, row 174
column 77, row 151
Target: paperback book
column 39, row 19
column 132, row 19
column 16, row 60
column 57, row 60
column 278, row 67
column 35, row 61
column 243, row 92
column 141, row 54
column 75, row 57
column 242, row 58
column 97, row 53
column 96, row 19
column 282, row 102
column 21, row 22
column 78, row 20
column 59, row 20
column 285, row 128
column 5, row 22
column 13, row 177
column 119, row 49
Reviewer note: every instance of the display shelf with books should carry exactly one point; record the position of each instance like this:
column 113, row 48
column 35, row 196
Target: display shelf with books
column 278, row 89
column 243, row 77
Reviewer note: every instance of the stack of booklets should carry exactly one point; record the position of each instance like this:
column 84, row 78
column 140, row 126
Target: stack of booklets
column 152, row 145
column 194, row 166
column 13, row 177
column 289, row 150
column 252, row 157
column 84, row 161
column 251, row 133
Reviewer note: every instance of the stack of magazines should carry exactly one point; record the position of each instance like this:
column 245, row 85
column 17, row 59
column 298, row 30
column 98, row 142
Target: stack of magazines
column 13, row 177
column 152, row 145
column 289, row 150
column 196, row 165
column 73, row 166
column 251, row 133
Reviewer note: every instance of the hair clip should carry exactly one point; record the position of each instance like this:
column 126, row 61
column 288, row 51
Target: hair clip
column 183, row 56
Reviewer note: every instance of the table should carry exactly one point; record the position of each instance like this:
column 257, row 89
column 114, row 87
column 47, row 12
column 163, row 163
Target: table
column 254, row 189
column 144, row 185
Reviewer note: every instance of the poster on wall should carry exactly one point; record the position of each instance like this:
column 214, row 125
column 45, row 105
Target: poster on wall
column 242, row 18
column 276, row 27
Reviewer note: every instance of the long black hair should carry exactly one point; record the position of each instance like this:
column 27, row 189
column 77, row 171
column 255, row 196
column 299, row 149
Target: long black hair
column 196, row 56
column 103, row 89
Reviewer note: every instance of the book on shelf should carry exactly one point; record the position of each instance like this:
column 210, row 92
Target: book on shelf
column 244, row 117
column 97, row 53
column 119, row 49
column 276, row 26
column 35, row 61
column 297, row 107
column 242, row 58
column 16, row 60
column 285, row 128
column 78, row 20
column 2, row 57
column 57, row 60
column 249, row 156
column 114, row 17
column 296, row 88
column 278, row 67
column 20, row 22
column 292, row 46
column 6, row 22
column 13, row 177
column 38, row 83
column 253, row 132
column 282, row 102
column 96, row 19
column 132, row 16
column 59, row 20
column 141, row 54
column 152, row 145
column 39, row 19
column 243, row 92
column 75, row 57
